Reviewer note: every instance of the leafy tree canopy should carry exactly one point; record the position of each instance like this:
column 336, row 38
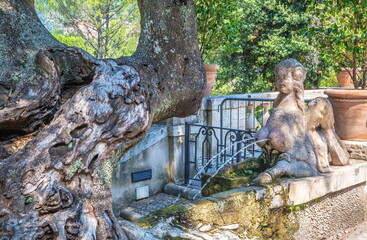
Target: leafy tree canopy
column 254, row 37
column 247, row 38
column 104, row 28
column 340, row 27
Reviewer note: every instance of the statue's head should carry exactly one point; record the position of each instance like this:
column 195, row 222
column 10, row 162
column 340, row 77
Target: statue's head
column 289, row 76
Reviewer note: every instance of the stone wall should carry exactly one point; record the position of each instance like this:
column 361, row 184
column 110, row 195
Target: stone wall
column 332, row 214
column 356, row 150
column 152, row 154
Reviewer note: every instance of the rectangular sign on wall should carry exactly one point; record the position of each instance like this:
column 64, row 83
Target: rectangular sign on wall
column 141, row 176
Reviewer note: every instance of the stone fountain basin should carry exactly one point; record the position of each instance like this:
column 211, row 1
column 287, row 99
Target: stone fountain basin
column 221, row 183
column 231, row 176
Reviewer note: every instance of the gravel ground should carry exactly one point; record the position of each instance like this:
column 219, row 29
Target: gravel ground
column 356, row 233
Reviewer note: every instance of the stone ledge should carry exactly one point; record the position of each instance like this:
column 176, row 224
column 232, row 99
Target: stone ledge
column 356, row 149
column 212, row 102
column 292, row 192
column 304, row 190
column 177, row 190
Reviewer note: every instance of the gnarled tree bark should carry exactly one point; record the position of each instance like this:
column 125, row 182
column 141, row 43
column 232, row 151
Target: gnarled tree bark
column 58, row 185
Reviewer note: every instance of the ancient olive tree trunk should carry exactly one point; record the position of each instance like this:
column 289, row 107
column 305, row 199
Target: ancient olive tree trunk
column 58, row 185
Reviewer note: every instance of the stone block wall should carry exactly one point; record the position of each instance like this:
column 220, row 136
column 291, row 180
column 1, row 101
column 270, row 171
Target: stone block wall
column 356, row 150
column 151, row 154
column 331, row 214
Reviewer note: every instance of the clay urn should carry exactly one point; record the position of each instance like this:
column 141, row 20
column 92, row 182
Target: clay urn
column 211, row 75
column 344, row 79
column 350, row 113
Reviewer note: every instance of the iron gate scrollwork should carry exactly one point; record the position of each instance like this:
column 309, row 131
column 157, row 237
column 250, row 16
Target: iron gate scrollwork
column 207, row 148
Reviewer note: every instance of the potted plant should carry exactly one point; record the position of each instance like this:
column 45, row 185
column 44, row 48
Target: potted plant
column 344, row 78
column 211, row 75
column 216, row 21
column 340, row 26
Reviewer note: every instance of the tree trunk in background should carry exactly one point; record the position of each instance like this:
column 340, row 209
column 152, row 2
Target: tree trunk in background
column 58, row 185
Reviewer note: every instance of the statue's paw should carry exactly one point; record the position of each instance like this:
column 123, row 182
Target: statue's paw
column 324, row 169
column 263, row 178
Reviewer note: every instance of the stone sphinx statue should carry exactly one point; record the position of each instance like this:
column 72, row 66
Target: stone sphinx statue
column 303, row 136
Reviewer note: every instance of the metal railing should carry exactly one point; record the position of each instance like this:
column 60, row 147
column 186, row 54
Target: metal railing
column 207, row 148
column 239, row 112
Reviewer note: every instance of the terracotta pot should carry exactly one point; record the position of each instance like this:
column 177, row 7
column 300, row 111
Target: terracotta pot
column 344, row 79
column 350, row 113
column 211, row 75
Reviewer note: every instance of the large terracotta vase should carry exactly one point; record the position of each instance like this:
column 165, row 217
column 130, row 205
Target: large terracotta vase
column 350, row 112
column 211, row 75
column 344, row 79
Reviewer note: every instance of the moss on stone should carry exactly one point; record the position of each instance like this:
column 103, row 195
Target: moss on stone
column 177, row 211
column 231, row 177
column 254, row 216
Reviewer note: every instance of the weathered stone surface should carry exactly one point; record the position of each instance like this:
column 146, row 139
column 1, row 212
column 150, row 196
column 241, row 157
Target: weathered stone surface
column 130, row 214
column 139, row 209
column 204, row 236
column 230, row 236
column 320, row 127
column 205, row 228
column 182, row 191
column 330, row 215
column 231, row 227
column 356, row 150
column 307, row 189
column 135, row 233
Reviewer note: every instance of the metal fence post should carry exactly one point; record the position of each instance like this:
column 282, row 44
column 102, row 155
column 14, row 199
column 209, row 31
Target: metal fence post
column 187, row 153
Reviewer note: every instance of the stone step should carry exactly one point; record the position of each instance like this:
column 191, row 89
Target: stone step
column 183, row 191
column 141, row 208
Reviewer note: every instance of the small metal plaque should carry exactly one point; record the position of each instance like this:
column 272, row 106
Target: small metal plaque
column 141, row 176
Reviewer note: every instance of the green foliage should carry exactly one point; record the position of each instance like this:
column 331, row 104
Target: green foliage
column 104, row 28
column 151, row 220
column 247, row 38
column 218, row 23
column 28, row 200
column 298, row 207
column 248, row 172
column 329, row 80
column 270, row 33
column 340, row 29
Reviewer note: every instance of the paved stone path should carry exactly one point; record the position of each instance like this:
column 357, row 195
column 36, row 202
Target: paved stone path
column 147, row 206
